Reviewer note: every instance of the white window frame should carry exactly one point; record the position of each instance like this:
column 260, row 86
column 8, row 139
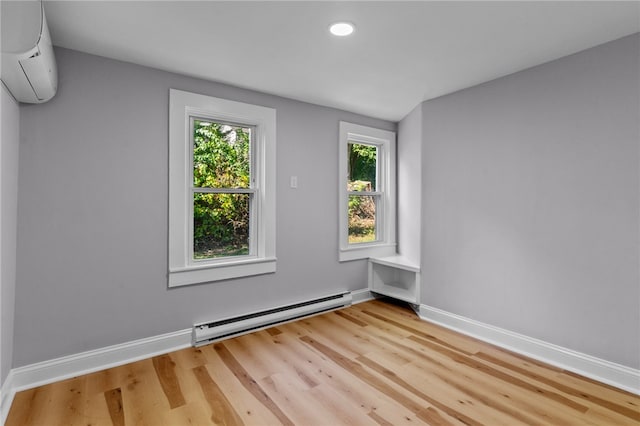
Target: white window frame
column 183, row 269
column 385, row 244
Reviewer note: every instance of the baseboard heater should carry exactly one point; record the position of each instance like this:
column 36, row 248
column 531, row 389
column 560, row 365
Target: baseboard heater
column 209, row 332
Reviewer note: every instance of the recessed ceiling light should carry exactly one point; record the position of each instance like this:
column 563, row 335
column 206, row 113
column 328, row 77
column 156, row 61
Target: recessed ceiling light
column 341, row 29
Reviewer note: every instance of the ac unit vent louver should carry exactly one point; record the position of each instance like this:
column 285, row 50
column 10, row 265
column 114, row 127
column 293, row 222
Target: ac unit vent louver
column 209, row 332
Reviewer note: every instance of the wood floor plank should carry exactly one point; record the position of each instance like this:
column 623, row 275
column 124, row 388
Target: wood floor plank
column 608, row 392
column 193, row 413
column 601, row 416
column 407, row 316
column 417, row 332
column 245, row 404
column 247, row 352
column 439, row 368
column 373, row 363
column 433, row 417
column 345, row 410
column 377, row 383
column 270, row 351
column 430, row 416
column 371, row 337
column 222, row 412
column 142, row 397
column 250, row 383
column 101, row 381
column 499, row 374
column 630, row 412
column 189, row 358
column 96, row 411
column 283, row 361
column 537, row 412
column 288, row 363
column 72, row 402
column 379, row 419
column 59, row 403
column 296, row 404
column 438, row 386
column 297, row 359
column 334, row 377
column 29, row 407
column 391, row 357
column 165, row 370
column 113, row 398
column 351, row 318
column 358, row 312
column 351, row 340
column 492, row 404
column 273, row 331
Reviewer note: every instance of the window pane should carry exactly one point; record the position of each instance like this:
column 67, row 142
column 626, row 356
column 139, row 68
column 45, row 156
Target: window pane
column 220, row 225
column 221, row 155
column 362, row 219
column 363, row 161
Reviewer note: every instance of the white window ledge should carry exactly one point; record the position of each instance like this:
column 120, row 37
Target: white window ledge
column 366, row 251
column 215, row 272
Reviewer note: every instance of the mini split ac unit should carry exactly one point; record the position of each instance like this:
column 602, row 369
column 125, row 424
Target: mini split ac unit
column 28, row 67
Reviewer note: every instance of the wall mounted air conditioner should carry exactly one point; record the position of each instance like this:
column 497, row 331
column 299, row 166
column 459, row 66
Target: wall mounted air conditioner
column 28, row 67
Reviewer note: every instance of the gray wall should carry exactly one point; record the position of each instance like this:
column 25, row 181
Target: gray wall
column 9, row 148
column 531, row 202
column 409, row 173
column 93, row 201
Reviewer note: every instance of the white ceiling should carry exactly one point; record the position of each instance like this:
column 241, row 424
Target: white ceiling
column 401, row 53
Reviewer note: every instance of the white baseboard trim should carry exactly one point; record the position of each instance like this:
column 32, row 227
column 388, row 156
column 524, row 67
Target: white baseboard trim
column 617, row 375
column 6, row 397
column 362, row 295
column 66, row 367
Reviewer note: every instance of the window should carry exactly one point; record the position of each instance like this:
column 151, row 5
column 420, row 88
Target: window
column 221, row 189
column 367, row 192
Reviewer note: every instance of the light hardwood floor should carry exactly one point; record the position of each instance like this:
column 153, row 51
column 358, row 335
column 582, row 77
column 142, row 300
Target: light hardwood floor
column 374, row 363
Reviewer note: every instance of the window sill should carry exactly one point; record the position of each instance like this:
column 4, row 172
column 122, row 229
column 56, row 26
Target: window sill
column 199, row 274
column 366, row 251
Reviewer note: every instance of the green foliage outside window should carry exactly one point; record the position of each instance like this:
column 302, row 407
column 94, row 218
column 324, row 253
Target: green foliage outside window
column 362, row 164
column 362, row 178
column 221, row 159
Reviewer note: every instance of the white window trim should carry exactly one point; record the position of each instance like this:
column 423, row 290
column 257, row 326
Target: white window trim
column 183, row 270
column 386, row 141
